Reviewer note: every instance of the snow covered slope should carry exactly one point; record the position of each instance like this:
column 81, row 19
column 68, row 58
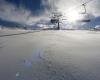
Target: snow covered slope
column 50, row 55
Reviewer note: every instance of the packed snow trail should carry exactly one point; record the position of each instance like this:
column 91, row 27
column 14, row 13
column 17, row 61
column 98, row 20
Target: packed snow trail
column 51, row 55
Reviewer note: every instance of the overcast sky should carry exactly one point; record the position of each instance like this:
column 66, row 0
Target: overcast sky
column 32, row 11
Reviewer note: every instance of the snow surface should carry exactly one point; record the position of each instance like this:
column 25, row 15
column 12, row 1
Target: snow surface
column 50, row 55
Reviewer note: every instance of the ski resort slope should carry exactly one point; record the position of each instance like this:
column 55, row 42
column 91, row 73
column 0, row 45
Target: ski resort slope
column 50, row 55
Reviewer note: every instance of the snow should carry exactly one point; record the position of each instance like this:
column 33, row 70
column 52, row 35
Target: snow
column 50, row 55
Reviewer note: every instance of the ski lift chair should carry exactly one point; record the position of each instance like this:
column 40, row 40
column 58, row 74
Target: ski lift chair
column 85, row 15
column 85, row 18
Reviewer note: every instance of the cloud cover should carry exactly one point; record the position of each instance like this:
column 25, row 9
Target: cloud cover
column 21, row 14
column 11, row 12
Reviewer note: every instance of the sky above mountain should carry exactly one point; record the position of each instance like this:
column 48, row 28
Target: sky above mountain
column 34, row 11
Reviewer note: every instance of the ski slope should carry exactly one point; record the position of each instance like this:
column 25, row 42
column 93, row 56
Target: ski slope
column 50, row 55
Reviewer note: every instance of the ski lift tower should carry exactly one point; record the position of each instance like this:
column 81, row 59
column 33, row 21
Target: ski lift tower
column 55, row 19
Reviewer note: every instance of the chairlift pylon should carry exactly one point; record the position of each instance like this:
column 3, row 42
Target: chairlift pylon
column 55, row 19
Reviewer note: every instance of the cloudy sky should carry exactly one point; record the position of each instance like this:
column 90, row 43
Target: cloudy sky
column 34, row 11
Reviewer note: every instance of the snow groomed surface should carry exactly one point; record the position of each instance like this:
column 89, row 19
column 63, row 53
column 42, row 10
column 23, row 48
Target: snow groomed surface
column 50, row 55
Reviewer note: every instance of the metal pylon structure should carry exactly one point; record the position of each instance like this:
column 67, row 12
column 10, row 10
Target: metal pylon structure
column 55, row 19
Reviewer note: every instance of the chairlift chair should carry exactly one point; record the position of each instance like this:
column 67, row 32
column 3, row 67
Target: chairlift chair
column 85, row 18
column 85, row 15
